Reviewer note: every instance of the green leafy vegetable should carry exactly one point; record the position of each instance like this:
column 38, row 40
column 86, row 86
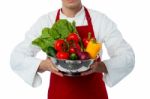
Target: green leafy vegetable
column 43, row 43
column 45, row 33
column 59, row 30
column 51, row 51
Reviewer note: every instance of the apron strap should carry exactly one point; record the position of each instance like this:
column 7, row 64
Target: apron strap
column 57, row 16
column 89, row 21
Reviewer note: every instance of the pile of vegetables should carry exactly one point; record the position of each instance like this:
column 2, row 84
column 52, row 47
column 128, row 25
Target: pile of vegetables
column 63, row 42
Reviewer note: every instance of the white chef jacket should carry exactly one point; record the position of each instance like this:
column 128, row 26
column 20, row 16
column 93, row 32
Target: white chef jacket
column 121, row 61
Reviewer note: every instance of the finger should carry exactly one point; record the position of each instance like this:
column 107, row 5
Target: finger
column 87, row 72
column 54, row 70
column 95, row 64
column 92, row 66
column 53, row 67
column 58, row 73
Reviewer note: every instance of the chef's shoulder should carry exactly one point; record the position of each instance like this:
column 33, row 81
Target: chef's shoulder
column 52, row 16
column 100, row 17
column 47, row 19
column 96, row 15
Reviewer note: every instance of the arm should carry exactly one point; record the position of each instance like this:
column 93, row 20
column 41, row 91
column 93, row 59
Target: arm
column 122, row 57
column 23, row 60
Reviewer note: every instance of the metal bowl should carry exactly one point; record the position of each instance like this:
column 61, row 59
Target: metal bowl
column 72, row 67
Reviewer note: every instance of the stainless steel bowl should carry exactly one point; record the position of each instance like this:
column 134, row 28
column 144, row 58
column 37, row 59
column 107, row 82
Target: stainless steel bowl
column 72, row 67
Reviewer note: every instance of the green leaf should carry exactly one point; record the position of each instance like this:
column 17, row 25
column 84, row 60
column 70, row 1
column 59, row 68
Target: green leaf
column 70, row 28
column 74, row 27
column 39, row 42
column 45, row 33
column 54, row 34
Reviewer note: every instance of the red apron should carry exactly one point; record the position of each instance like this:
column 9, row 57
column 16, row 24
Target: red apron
column 81, row 87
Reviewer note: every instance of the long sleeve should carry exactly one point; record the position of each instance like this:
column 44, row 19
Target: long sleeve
column 122, row 57
column 23, row 60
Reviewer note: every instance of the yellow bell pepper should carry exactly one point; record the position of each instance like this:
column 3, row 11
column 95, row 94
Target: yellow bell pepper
column 93, row 48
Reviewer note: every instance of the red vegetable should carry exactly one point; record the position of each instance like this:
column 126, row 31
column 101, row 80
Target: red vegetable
column 60, row 45
column 62, row 55
column 77, row 46
column 72, row 50
column 73, row 37
column 86, row 40
column 83, row 55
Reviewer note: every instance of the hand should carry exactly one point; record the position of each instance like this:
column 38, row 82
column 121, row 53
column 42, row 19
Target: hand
column 95, row 67
column 47, row 65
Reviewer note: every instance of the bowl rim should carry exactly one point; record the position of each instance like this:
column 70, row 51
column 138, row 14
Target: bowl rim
column 73, row 60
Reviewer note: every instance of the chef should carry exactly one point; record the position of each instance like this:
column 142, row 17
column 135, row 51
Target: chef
column 91, row 84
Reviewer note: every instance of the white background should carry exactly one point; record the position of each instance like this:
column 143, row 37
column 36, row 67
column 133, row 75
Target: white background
column 131, row 16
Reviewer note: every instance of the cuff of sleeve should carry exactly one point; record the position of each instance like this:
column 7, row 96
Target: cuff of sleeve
column 29, row 74
column 106, row 77
column 37, row 80
column 114, row 74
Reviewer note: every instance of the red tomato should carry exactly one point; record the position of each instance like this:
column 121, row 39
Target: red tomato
column 60, row 45
column 72, row 50
column 86, row 40
column 75, row 46
column 73, row 37
column 62, row 55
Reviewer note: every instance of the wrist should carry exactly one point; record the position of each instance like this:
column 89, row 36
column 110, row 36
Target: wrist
column 42, row 66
